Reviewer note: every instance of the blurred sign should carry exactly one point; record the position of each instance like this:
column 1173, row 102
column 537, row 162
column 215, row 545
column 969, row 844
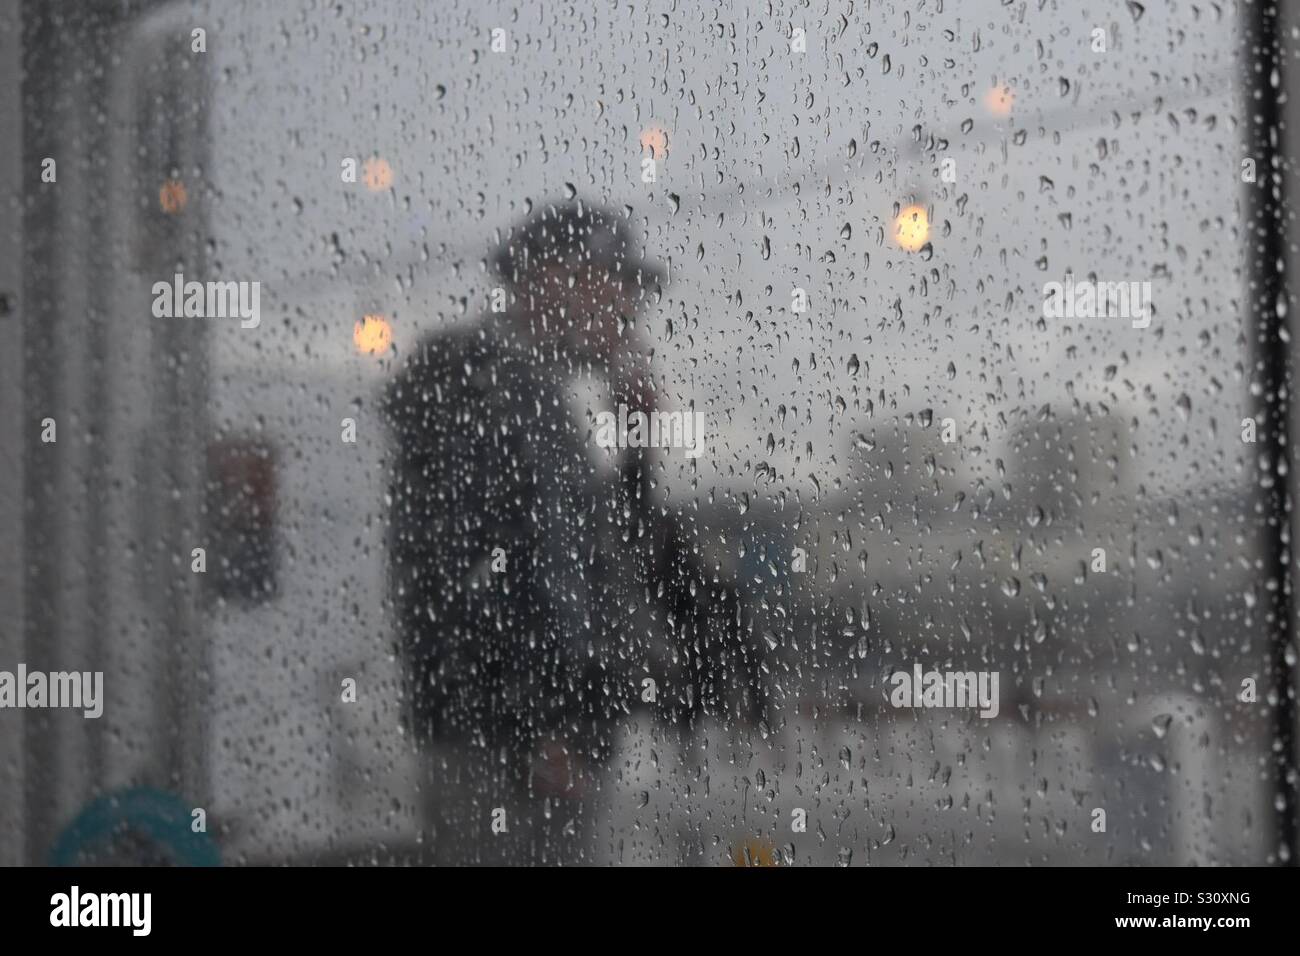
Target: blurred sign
column 241, row 510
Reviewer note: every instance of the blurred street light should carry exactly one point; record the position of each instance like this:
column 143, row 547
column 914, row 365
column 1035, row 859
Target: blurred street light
column 912, row 228
column 372, row 335
column 377, row 174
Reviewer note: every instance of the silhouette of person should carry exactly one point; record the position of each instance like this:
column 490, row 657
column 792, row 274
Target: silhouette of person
column 534, row 583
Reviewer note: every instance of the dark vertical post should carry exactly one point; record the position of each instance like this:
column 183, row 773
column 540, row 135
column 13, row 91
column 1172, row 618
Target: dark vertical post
column 1262, row 59
column 43, row 55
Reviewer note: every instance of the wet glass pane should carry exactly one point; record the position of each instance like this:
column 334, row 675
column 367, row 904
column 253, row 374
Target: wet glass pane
column 647, row 434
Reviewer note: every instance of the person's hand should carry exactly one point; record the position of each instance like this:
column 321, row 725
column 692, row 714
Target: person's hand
column 557, row 772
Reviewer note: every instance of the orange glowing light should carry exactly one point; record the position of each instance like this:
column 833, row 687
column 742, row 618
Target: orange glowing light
column 654, row 140
column 754, row 853
column 912, row 228
column 999, row 100
column 376, row 174
column 173, row 196
column 372, row 335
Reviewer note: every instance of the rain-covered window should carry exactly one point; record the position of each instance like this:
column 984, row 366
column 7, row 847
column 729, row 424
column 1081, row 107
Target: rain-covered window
column 644, row 433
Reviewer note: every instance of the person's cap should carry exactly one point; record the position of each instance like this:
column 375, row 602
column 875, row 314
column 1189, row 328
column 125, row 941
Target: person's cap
column 573, row 233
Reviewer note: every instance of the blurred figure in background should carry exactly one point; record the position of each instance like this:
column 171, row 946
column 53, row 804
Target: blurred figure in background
column 534, row 590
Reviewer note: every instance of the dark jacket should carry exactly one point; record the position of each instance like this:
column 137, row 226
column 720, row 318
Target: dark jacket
column 600, row 589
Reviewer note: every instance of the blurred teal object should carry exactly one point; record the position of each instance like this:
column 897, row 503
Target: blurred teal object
column 157, row 821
